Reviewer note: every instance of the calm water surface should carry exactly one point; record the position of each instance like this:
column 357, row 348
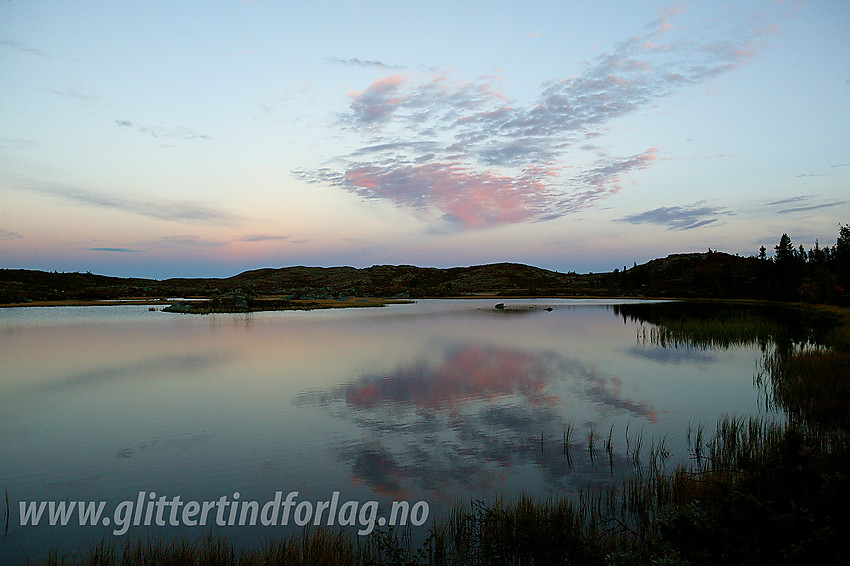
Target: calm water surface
column 439, row 401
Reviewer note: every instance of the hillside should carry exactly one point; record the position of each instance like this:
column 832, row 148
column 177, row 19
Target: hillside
column 712, row 274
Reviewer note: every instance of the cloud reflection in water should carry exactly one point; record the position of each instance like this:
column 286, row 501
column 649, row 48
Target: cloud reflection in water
column 471, row 419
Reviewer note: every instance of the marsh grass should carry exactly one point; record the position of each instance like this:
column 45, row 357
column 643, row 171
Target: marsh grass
column 810, row 386
column 317, row 547
column 762, row 490
column 712, row 325
column 637, row 447
column 710, row 333
column 695, row 439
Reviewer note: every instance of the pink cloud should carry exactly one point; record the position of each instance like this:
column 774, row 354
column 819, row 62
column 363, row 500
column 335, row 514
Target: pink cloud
column 472, row 373
column 478, row 373
column 470, row 197
column 433, row 143
column 379, row 100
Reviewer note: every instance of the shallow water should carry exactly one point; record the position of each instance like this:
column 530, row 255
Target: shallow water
column 438, row 401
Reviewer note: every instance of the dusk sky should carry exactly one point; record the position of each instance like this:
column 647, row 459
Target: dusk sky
column 164, row 139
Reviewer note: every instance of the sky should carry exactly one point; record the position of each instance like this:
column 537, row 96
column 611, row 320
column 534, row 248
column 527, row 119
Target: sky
column 185, row 139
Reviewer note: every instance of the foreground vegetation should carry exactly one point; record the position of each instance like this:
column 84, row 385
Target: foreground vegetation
column 755, row 491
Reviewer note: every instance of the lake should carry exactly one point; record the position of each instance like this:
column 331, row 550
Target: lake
column 440, row 401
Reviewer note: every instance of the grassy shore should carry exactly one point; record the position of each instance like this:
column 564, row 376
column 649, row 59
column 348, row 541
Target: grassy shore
column 89, row 303
column 755, row 491
column 264, row 303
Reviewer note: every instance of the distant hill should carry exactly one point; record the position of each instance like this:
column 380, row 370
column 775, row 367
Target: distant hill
column 713, row 274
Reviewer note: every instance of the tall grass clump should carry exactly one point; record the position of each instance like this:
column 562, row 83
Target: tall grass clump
column 317, row 547
column 811, row 386
column 723, row 332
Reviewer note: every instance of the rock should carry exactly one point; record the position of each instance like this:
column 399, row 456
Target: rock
column 235, row 300
column 182, row 307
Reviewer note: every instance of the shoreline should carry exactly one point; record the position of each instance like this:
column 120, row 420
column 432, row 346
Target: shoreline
column 296, row 304
column 312, row 304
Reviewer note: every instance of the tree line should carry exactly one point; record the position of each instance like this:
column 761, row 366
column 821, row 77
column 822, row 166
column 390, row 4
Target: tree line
column 816, row 274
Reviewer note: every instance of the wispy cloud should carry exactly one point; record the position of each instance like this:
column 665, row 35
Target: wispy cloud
column 17, row 144
column 22, row 47
column 160, row 132
column 806, row 202
column 361, row 63
column 71, row 93
column 464, row 150
column 174, row 242
column 812, row 207
column 164, row 210
column 117, row 250
column 182, row 241
column 790, row 200
column 603, row 179
column 261, row 238
column 678, row 217
column 7, row 235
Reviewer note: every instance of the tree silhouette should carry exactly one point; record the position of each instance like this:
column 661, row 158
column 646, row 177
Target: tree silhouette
column 784, row 251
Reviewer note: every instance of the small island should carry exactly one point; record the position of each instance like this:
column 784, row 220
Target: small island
column 239, row 302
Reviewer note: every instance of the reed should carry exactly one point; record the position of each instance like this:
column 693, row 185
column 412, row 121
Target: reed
column 568, row 432
column 318, row 547
column 810, row 385
column 658, row 455
column 592, row 437
column 609, row 449
column 710, row 333
column 637, row 447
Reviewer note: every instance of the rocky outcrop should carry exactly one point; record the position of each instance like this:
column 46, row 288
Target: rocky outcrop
column 183, row 307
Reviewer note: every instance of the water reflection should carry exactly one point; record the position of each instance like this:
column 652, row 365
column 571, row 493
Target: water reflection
column 180, row 442
column 436, row 401
column 724, row 326
column 474, row 372
column 680, row 355
column 466, row 372
column 459, row 420
column 168, row 366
